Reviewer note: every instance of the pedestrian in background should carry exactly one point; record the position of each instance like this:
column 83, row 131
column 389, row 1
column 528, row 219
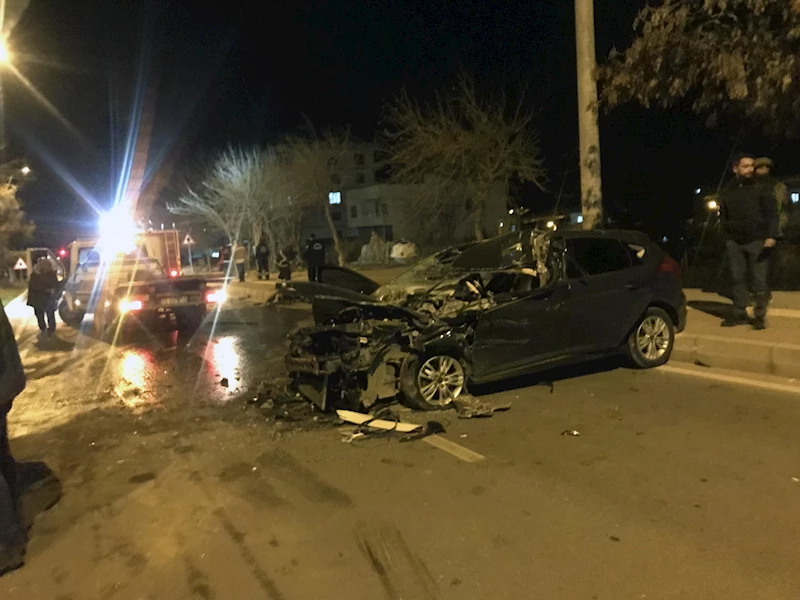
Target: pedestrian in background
column 262, row 260
column 764, row 174
column 749, row 216
column 314, row 256
column 42, row 295
column 287, row 255
column 240, row 259
column 12, row 382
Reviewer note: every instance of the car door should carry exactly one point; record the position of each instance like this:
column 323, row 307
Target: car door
column 607, row 292
column 347, row 279
column 524, row 329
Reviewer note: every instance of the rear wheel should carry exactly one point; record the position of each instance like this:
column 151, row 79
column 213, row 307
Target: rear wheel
column 432, row 382
column 651, row 342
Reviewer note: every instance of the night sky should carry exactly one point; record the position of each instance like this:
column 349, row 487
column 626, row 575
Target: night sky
column 247, row 73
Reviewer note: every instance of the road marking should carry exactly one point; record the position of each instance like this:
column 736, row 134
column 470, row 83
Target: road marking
column 456, row 450
column 707, row 374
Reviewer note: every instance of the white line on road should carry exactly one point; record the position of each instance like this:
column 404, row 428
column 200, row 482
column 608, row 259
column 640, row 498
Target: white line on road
column 456, row 450
column 725, row 378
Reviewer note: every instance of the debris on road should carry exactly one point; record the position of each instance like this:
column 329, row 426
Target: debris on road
column 375, row 426
column 469, row 407
column 571, row 432
column 224, row 382
column 369, row 420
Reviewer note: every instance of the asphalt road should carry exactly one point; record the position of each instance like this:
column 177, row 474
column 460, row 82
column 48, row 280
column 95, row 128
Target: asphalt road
column 174, row 487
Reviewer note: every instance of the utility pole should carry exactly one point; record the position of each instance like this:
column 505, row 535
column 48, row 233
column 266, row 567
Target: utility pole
column 589, row 132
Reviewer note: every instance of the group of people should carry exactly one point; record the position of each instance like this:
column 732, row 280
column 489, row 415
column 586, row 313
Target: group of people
column 314, row 256
column 752, row 212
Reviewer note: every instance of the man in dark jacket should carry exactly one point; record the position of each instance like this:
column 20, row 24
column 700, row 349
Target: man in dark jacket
column 314, row 256
column 749, row 214
column 42, row 288
column 12, row 382
column 262, row 260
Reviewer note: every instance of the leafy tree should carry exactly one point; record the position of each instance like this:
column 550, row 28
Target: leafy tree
column 461, row 148
column 740, row 57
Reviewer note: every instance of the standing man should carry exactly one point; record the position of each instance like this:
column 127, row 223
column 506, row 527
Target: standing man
column 12, row 382
column 749, row 213
column 314, row 256
column 764, row 167
column 240, row 259
column 42, row 297
column 262, row 260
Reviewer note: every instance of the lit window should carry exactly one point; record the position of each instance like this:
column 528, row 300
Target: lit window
column 579, row 219
column 335, row 198
column 795, row 197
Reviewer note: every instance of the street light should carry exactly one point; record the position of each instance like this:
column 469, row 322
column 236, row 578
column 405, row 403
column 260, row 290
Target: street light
column 712, row 205
column 26, row 170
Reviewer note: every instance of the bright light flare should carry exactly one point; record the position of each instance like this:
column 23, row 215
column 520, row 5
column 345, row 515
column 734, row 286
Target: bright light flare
column 173, row 273
column 5, row 54
column 126, row 305
column 117, row 233
column 217, row 297
column 26, row 170
column 551, row 225
column 712, row 205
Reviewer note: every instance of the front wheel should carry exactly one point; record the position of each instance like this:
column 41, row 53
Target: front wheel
column 651, row 342
column 432, row 382
column 72, row 318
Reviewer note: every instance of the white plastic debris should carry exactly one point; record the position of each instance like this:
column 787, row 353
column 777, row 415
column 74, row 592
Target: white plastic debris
column 361, row 419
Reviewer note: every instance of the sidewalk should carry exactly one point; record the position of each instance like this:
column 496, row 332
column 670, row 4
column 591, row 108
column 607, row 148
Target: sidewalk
column 774, row 351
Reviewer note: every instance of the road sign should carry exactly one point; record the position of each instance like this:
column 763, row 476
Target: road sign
column 188, row 241
column 20, row 266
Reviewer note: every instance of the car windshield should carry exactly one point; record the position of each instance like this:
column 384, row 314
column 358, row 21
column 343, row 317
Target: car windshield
column 425, row 272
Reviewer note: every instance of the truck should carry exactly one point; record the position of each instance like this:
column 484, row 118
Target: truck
column 145, row 282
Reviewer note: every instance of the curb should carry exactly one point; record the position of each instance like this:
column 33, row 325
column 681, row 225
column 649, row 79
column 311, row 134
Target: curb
column 765, row 358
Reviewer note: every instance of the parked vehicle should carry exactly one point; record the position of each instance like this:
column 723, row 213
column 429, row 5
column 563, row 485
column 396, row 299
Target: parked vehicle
column 145, row 282
column 513, row 305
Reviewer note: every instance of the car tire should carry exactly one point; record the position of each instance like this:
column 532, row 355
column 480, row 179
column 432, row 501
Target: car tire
column 651, row 342
column 73, row 318
column 420, row 372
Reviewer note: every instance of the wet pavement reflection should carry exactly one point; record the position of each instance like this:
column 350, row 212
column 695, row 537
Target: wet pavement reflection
column 233, row 351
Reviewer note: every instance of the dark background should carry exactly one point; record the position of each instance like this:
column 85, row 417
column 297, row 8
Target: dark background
column 247, row 72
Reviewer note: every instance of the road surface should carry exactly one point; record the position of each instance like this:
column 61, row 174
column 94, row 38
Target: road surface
column 175, row 487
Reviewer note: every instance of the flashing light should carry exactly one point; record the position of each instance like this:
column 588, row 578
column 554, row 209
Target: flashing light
column 217, row 297
column 130, row 305
column 117, row 232
column 173, row 273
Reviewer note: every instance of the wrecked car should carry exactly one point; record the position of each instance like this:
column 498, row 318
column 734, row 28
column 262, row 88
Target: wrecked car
column 530, row 301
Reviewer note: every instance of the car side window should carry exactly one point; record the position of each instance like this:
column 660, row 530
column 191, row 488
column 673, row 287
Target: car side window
column 597, row 256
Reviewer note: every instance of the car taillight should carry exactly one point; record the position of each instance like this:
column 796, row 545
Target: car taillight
column 670, row 265
column 216, row 297
column 128, row 305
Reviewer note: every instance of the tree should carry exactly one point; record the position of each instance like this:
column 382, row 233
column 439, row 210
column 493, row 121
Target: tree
column 462, row 146
column 14, row 225
column 740, row 57
column 310, row 166
column 221, row 199
column 246, row 192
